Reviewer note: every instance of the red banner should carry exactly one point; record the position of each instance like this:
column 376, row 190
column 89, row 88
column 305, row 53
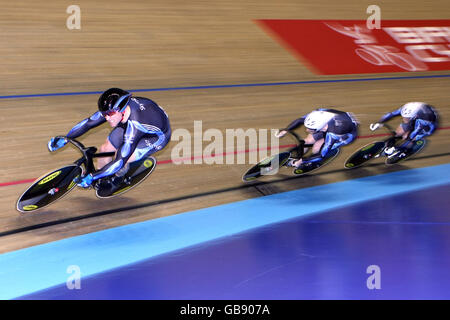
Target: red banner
column 349, row 46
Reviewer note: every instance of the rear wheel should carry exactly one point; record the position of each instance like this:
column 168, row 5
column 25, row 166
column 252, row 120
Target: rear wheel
column 137, row 173
column 49, row 188
column 311, row 166
column 402, row 156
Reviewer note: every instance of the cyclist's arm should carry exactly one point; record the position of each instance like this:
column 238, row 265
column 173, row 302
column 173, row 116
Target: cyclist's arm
column 82, row 127
column 390, row 115
column 296, row 123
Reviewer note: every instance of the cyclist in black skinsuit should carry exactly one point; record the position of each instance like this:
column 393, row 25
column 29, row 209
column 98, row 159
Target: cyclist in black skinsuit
column 141, row 128
column 419, row 120
column 327, row 129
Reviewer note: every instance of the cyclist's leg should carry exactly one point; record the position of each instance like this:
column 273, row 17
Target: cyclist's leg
column 345, row 139
column 404, row 129
column 144, row 149
column 420, row 130
column 331, row 142
column 317, row 140
column 401, row 133
column 149, row 145
column 111, row 144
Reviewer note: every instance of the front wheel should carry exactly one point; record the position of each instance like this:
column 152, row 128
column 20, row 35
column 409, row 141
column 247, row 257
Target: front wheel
column 48, row 188
column 267, row 166
column 364, row 154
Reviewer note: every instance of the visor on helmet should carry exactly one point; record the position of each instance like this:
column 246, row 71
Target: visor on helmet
column 113, row 100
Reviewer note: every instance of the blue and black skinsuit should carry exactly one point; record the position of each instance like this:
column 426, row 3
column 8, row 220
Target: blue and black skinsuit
column 423, row 124
column 146, row 131
column 342, row 130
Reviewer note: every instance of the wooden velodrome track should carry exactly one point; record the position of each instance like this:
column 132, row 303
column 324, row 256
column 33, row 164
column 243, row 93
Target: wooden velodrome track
column 141, row 44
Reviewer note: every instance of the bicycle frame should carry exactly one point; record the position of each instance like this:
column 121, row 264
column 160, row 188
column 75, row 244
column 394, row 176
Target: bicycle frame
column 389, row 128
column 393, row 138
column 88, row 155
column 299, row 149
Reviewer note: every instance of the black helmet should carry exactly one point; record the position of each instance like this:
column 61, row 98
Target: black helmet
column 113, row 99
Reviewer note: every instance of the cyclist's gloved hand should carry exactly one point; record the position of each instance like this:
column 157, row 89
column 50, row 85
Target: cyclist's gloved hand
column 85, row 181
column 281, row 133
column 56, row 143
column 375, row 126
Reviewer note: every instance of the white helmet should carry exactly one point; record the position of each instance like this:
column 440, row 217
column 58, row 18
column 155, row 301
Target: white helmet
column 316, row 120
column 410, row 109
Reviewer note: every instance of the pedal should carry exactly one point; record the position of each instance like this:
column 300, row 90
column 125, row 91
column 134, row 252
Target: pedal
column 117, row 180
column 392, row 155
column 401, row 155
column 390, row 151
column 97, row 184
column 127, row 180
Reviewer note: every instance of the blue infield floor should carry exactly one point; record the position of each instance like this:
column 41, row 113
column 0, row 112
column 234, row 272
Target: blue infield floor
column 313, row 243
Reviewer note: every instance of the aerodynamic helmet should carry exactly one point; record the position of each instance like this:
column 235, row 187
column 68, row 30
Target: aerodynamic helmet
column 410, row 109
column 317, row 120
column 112, row 100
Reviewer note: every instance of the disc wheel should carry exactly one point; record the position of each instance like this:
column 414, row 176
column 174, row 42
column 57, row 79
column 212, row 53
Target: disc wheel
column 364, row 154
column 418, row 146
column 267, row 166
column 310, row 167
column 137, row 173
column 48, row 188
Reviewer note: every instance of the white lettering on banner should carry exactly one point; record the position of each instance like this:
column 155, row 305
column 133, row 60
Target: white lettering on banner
column 419, row 34
column 422, row 52
column 376, row 54
column 388, row 55
column 425, row 36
